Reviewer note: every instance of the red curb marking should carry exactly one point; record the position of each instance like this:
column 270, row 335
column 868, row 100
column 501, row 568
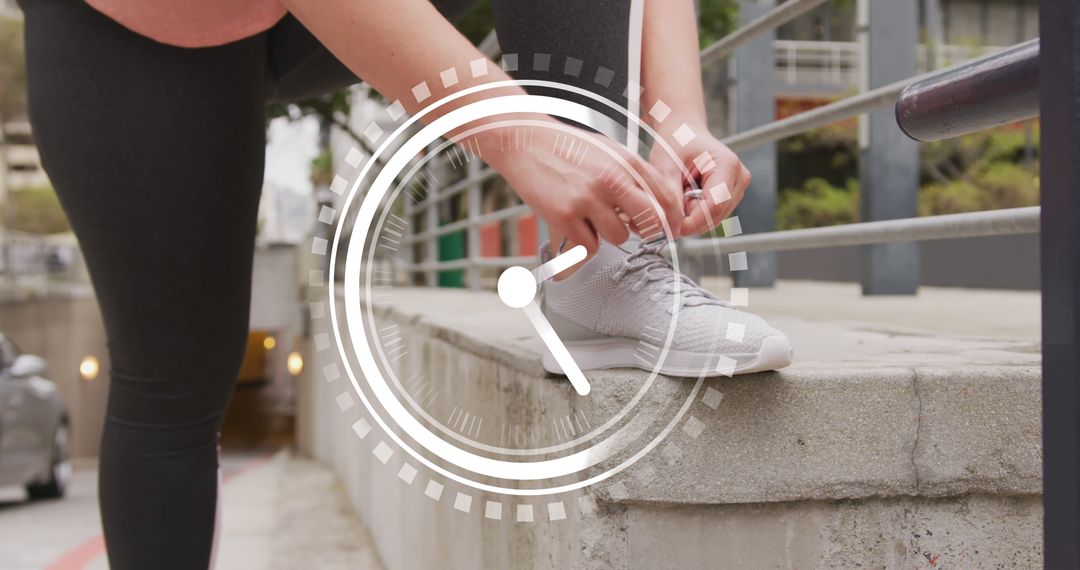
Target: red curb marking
column 80, row 556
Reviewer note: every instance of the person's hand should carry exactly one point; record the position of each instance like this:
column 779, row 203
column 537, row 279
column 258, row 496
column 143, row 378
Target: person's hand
column 581, row 191
column 717, row 171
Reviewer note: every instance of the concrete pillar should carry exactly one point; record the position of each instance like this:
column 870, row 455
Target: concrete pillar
column 754, row 97
column 888, row 161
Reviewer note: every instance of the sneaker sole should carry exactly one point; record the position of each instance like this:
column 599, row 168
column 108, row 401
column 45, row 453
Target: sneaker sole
column 775, row 353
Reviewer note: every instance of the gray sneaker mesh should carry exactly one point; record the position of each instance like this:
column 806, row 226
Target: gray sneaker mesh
column 632, row 295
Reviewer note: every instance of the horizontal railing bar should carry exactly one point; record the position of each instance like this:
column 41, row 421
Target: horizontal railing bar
column 463, row 263
column 948, row 226
column 523, row 260
column 818, row 117
column 496, row 216
column 846, row 108
column 987, row 92
column 772, row 19
column 456, row 188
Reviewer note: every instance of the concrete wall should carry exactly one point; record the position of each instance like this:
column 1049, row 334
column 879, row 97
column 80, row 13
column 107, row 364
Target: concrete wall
column 918, row 463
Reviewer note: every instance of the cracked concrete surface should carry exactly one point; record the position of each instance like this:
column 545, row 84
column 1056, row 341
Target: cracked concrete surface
column 867, row 409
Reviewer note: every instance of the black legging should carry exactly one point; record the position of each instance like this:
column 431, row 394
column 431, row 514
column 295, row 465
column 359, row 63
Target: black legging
column 157, row 155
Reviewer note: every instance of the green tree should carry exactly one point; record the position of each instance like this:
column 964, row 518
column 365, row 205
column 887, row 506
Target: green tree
column 716, row 18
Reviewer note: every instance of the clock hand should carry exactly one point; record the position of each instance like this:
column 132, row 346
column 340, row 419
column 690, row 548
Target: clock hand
column 517, row 288
column 556, row 346
column 561, row 263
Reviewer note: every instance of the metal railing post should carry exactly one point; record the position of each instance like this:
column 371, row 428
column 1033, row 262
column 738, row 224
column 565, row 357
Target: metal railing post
column 755, row 105
column 409, row 245
column 473, row 197
column 1059, row 25
column 889, row 165
column 431, row 219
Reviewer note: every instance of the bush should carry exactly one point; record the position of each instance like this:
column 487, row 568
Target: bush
column 36, row 210
column 816, row 204
column 1000, row 185
column 982, row 171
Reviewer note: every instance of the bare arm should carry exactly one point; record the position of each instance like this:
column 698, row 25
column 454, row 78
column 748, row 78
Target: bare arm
column 671, row 72
column 395, row 45
column 671, row 68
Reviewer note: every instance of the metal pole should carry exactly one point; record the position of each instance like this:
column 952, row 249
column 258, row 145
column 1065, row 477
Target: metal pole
column 1059, row 24
column 884, row 96
column 991, row 91
column 973, row 224
column 472, row 243
column 410, row 247
column 754, row 105
column 889, row 167
column 8, row 205
column 766, row 22
column 933, row 37
column 431, row 218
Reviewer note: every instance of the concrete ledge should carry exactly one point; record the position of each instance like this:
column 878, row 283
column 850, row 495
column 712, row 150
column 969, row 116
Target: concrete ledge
column 883, row 446
column 936, row 416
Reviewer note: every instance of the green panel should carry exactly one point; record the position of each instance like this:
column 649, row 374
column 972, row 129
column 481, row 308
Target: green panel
column 452, row 246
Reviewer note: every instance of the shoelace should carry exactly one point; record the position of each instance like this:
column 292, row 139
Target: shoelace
column 648, row 263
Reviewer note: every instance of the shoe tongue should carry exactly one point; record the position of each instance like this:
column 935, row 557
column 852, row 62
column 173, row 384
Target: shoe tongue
column 605, row 256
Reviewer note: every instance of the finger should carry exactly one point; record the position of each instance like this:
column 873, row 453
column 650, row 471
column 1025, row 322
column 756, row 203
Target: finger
column 635, row 207
column 639, row 212
column 579, row 232
column 721, row 195
column 667, row 190
column 607, row 223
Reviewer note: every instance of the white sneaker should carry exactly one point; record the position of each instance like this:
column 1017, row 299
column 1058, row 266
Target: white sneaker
column 616, row 309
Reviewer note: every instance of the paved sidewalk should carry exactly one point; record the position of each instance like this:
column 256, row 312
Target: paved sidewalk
column 290, row 513
column 278, row 513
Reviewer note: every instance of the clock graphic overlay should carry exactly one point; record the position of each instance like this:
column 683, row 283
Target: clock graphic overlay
column 417, row 407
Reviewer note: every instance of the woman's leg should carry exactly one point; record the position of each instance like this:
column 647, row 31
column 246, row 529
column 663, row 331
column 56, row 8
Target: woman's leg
column 583, row 44
column 157, row 155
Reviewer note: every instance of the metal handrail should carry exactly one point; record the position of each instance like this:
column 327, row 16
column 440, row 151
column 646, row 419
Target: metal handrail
column 948, row 226
column 845, row 108
column 457, row 188
column 1003, row 222
column 990, row 91
column 467, row 262
column 770, row 20
column 496, row 216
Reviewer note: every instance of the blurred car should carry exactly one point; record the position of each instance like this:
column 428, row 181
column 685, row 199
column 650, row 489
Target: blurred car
column 34, row 426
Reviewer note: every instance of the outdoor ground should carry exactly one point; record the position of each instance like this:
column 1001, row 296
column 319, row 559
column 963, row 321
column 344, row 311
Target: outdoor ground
column 279, row 513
